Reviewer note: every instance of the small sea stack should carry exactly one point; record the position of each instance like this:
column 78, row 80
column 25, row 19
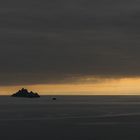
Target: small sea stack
column 25, row 93
column 53, row 98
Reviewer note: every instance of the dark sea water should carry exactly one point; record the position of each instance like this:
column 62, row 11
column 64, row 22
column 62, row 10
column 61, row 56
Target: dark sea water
column 70, row 118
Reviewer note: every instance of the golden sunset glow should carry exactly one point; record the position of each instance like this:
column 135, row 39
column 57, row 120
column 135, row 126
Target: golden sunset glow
column 123, row 86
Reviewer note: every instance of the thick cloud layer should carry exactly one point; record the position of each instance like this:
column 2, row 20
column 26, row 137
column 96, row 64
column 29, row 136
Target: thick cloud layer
column 56, row 40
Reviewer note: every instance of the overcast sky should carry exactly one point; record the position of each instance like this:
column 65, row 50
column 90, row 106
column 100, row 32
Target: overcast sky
column 52, row 41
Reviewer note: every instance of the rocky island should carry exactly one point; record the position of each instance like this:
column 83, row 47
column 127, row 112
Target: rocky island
column 25, row 93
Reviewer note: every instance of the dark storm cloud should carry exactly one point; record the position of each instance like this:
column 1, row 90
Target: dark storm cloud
column 53, row 41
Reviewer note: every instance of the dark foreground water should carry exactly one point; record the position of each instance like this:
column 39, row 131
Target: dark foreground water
column 70, row 118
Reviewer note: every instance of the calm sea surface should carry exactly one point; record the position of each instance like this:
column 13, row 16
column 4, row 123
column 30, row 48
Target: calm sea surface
column 70, row 118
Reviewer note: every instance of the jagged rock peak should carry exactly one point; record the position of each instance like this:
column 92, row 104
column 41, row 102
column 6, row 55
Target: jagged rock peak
column 25, row 93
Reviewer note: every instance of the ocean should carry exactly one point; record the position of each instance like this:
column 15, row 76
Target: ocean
column 70, row 118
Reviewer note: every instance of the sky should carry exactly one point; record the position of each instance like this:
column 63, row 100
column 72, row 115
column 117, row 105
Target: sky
column 70, row 46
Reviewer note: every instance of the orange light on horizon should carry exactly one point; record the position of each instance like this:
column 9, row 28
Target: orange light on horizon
column 123, row 86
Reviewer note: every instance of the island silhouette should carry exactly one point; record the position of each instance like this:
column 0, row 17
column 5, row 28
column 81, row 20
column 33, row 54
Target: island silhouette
column 25, row 93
